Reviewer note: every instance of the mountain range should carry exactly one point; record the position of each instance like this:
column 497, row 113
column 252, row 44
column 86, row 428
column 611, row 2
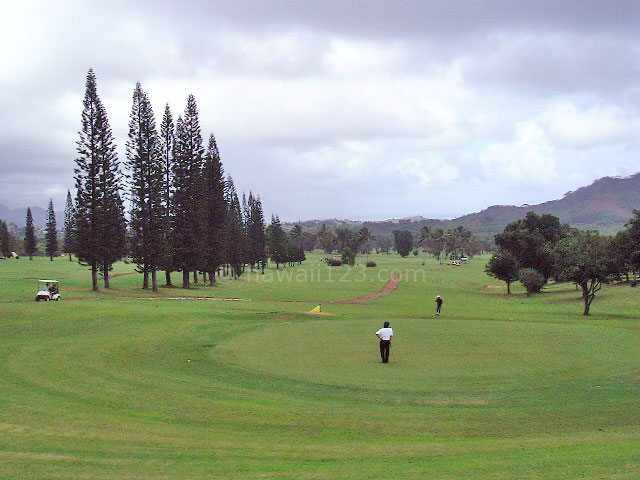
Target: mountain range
column 19, row 215
column 605, row 205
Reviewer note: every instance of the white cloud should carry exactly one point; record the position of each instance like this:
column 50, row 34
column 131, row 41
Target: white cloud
column 388, row 108
column 529, row 156
column 588, row 127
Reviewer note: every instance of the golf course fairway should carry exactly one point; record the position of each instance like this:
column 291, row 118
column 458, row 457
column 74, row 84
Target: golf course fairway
column 238, row 381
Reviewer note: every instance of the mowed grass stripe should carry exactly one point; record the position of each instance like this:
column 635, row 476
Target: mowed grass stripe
column 499, row 387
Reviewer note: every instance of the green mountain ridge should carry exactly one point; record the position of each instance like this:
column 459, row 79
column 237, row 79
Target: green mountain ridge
column 605, row 205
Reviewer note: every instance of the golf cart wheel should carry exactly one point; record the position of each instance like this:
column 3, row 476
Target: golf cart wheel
column 58, row 299
column 37, row 299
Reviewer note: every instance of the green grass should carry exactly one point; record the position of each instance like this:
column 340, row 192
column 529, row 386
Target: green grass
column 126, row 384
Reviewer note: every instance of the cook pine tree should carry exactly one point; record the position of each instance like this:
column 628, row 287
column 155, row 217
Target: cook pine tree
column 67, row 242
column 167, row 139
column 234, row 230
column 277, row 242
column 30, row 242
column 214, row 211
column 188, row 155
column 5, row 240
column 99, row 222
column 51, row 233
column 255, row 233
column 146, row 187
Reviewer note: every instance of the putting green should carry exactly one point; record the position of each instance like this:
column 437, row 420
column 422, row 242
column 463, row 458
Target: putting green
column 436, row 355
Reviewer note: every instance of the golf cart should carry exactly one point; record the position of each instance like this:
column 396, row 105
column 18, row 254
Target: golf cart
column 47, row 290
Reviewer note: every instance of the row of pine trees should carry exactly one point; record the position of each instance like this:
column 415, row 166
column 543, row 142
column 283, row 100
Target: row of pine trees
column 185, row 215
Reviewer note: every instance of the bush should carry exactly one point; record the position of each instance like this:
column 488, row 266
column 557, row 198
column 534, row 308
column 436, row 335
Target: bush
column 531, row 279
column 333, row 262
column 415, row 252
column 348, row 257
column 371, row 263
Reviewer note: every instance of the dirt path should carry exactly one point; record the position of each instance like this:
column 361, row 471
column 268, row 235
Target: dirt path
column 116, row 275
column 391, row 285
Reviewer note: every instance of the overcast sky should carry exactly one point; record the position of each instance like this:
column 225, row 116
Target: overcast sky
column 351, row 109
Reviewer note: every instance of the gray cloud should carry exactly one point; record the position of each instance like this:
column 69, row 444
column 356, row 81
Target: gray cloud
column 354, row 109
column 558, row 64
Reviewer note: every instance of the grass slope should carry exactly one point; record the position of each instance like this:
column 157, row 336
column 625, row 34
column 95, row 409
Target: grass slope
column 126, row 384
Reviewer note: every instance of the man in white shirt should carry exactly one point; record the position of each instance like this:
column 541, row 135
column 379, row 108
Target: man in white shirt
column 385, row 334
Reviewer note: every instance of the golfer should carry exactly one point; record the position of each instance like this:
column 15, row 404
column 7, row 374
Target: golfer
column 385, row 334
column 438, row 304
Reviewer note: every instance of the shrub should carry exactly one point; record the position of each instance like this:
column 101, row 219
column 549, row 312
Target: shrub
column 333, row 262
column 371, row 263
column 415, row 252
column 348, row 257
column 531, row 279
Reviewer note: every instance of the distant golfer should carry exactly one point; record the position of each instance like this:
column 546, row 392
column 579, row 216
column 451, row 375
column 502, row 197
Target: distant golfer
column 438, row 304
column 385, row 334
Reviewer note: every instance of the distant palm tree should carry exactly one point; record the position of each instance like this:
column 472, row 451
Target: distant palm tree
column 425, row 235
column 364, row 235
column 439, row 239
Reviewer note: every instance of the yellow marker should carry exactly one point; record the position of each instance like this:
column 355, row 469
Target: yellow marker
column 315, row 310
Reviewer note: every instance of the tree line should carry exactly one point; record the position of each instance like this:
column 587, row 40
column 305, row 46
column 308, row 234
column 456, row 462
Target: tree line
column 185, row 215
column 538, row 248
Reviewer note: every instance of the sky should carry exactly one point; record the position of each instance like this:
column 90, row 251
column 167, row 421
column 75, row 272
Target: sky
column 337, row 109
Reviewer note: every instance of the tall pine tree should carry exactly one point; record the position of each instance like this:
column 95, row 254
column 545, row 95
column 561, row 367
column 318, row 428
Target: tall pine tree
column 5, row 242
column 100, row 227
column 145, row 162
column 296, row 250
column 30, row 242
column 167, row 138
column 215, row 211
column 51, row 234
column 187, row 165
column 255, row 233
column 277, row 242
column 67, row 244
column 235, row 230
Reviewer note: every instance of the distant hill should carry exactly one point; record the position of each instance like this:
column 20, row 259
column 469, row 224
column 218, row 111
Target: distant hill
column 605, row 205
column 19, row 215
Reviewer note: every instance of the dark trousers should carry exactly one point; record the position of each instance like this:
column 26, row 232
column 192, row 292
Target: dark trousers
column 438, row 307
column 385, row 345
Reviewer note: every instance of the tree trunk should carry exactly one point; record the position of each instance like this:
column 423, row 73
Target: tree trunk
column 195, row 276
column 145, row 278
column 51, row 258
column 204, row 277
column 70, row 258
column 154, row 280
column 167, row 278
column 586, row 298
column 508, row 287
column 94, row 277
column 106, row 276
column 212, row 278
column 587, row 304
column 185, row 278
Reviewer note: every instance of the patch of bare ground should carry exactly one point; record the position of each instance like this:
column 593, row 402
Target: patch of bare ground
column 452, row 402
column 391, row 285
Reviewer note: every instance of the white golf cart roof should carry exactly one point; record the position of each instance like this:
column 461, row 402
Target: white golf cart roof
column 48, row 281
